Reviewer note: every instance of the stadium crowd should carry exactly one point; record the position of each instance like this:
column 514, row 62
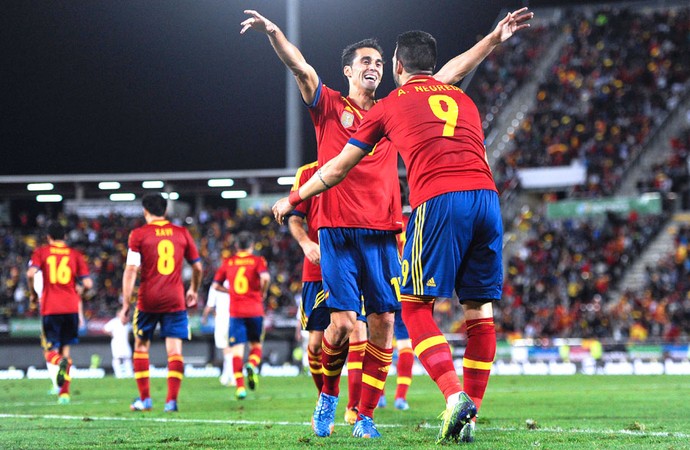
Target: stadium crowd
column 618, row 76
column 556, row 285
column 103, row 241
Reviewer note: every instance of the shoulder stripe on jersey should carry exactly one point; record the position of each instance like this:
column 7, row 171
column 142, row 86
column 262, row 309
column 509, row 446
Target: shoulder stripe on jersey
column 355, row 110
column 317, row 95
column 366, row 148
column 298, row 175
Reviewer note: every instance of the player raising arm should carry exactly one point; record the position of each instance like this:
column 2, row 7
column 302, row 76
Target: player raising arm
column 357, row 225
column 454, row 237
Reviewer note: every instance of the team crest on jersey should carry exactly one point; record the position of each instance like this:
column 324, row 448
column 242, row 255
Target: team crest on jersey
column 347, row 119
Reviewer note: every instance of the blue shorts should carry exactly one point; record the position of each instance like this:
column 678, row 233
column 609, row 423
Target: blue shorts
column 246, row 329
column 173, row 325
column 314, row 315
column 358, row 262
column 454, row 242
column 58, row 330
column 399, row 328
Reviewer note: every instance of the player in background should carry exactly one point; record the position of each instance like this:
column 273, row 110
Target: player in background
column 248, row 281
column 52, row 368
column 220, row 303
column 157, row 251
column 314, row 315
column 119, row 347
column 454, row 239
column 354, row 213
column 62, row 268
column 404, row 345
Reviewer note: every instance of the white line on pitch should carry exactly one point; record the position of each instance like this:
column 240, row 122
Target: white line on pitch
column 305, row 424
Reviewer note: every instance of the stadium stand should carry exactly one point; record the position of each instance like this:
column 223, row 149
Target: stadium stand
column 620, row 74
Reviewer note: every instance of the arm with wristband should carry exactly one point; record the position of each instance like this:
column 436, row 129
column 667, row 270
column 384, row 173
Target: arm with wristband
column 329, row 175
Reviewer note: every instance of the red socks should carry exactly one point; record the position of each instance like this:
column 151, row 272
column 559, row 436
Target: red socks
column 237, row 371
column 479, row 356
column 140, row 362
column 429, row 344
column 332, row 362
column 254, row 357
column 175, row 374
column 375, row 367
column 53, row 357
column 355, row 357
column 315, row 369
column 405, row 362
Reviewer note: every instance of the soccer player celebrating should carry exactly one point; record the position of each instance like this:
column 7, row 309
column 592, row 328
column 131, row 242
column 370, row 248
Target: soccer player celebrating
column 62, row 267
column 314, row 314
column 248, row 280
column 455, row 234
column 357, row 225
column 158, row 250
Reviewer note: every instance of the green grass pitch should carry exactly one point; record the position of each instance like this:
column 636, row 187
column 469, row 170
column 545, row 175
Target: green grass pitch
column 519, row 412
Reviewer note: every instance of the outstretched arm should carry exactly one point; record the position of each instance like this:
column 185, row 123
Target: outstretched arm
column 456, row 69
column 305, row 75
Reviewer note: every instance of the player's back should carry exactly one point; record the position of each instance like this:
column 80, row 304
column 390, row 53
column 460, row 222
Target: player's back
column 437, row 130
column 61, row 266
column 243, row 273
column 163, row 247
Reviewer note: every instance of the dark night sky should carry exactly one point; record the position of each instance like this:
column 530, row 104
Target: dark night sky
column 170, row 85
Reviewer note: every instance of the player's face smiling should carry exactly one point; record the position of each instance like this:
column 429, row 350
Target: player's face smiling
column 367, row 68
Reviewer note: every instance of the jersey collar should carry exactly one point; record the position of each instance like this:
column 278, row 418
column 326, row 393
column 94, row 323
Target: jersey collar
column 419, row 79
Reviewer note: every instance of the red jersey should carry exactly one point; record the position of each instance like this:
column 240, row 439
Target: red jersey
column 438, row 132
column 60, row 266
column 163, row 247
column 309, row 210
column 243, row 272
column 356, row 202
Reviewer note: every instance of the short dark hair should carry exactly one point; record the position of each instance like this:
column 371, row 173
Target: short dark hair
column 56, row 231
column 416, row 50
column 349, row 51
column 244, row 240
column 155, row 204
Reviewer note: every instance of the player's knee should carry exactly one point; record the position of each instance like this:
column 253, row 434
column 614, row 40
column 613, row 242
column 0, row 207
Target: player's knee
column 314, row 348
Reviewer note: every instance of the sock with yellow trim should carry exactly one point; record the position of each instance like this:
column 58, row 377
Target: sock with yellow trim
column 315, row 369
column 175, row 374
column 355, row 357
column 254, row 357
column 140, row 361
column 404, row 369
column 430, row 345
column 375, row 366
column 237, row 371
column 53, row 357
column 332, row 362
column 52, row 360
column 479, row 356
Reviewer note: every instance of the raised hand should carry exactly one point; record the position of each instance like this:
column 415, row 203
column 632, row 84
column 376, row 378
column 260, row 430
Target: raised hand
column 512, row 23
column 257, row 22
